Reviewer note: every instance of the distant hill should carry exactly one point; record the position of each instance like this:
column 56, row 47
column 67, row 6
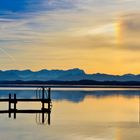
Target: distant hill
column 63, row 75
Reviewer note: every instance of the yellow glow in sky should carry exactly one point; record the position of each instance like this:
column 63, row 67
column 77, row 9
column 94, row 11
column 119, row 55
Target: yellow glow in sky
column 90, row 35
column 119, row 32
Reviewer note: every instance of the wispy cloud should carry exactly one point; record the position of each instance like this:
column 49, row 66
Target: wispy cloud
column 49, row 33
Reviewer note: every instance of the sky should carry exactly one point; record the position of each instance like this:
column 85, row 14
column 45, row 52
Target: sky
column 98, row 36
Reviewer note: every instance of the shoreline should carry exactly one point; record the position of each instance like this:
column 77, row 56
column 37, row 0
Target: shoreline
column 65, row 86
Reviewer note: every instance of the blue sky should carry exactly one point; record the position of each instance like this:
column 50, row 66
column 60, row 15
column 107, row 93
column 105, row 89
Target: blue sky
column 18, row 6
column 14, row 5
column 13, row 8
column 93, row 35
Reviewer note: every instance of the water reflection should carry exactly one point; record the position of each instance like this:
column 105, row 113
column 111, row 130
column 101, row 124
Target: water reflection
column 43, row 96
column 73, row 95
column 76, row 115
column 78, row 96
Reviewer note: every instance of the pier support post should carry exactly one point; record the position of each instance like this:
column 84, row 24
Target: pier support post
column 9, row 105
column 49, row 117
column 49, row 105
column 49, row 98
column 43, row 106
column 15, row 102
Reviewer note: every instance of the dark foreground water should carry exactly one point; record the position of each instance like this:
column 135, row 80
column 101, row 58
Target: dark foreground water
column 77, row 114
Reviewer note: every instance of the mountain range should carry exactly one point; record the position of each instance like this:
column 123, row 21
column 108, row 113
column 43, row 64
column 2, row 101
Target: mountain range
column 75, row 74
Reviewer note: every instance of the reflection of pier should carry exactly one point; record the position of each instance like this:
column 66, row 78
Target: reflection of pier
column 43, row 95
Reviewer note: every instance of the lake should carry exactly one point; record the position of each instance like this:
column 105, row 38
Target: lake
column 77, row 114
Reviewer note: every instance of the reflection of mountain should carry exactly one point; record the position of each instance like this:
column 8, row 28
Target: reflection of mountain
column 63, row 75
column 73, row 96
column 20, row 93
column 78, row 96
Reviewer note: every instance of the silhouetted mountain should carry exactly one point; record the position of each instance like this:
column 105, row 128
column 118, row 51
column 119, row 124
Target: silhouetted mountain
column 62, row 75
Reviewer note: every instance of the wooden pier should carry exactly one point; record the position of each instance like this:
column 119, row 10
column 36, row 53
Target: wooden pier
column 42, row 99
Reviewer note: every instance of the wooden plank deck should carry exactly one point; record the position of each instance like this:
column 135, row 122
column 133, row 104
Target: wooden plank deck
column 25, row 100
column 45, row 110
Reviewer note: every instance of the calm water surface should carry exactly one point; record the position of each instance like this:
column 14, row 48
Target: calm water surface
column 83, row 114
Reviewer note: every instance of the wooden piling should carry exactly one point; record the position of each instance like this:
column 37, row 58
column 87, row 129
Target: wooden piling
column 49, row 98
column 9, row 105
column 15, row 106
column 139, row 109
column 49, row 105
column 43, row 105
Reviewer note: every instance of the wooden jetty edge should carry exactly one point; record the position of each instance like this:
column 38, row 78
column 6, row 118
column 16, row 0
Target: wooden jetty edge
column 42, row 100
